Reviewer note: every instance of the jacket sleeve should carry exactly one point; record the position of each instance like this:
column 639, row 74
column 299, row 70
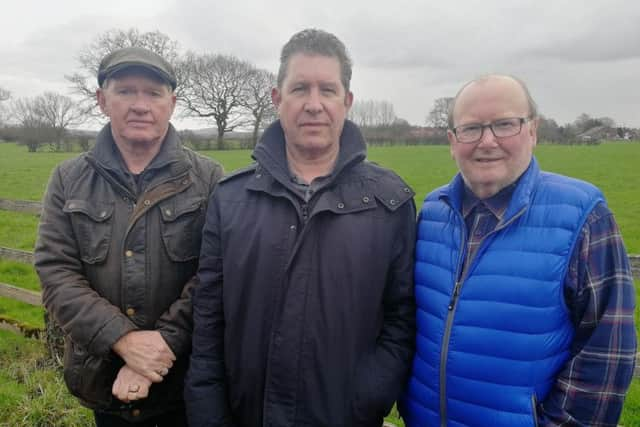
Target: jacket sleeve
column 90, row 320
column 382, row 376
column 205, row 385
column 176, row 325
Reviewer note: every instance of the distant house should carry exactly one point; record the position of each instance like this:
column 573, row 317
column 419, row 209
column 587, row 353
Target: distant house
column 597, row 134
column 427, row 132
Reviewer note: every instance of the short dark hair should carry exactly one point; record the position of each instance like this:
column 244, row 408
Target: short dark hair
column 533, row 107
column 312, row 41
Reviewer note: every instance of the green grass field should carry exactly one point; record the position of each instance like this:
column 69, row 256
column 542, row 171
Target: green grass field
column 23, row 175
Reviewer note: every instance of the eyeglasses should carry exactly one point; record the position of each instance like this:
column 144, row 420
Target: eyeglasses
column 501, row 128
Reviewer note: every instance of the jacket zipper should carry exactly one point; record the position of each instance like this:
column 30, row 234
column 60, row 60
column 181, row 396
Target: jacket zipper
column 444, row 353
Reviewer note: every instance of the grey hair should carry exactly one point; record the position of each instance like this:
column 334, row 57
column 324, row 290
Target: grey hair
column 312, row 41
column 533, row 107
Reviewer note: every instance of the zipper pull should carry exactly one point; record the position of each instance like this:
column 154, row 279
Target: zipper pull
column 454, row 297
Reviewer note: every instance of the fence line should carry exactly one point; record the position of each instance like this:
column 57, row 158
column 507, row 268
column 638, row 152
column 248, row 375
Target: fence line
column 16, row 255
column 19, row 294
column 25, row 206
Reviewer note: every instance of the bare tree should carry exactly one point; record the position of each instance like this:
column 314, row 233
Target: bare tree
column 4, row 94
column 257, row 100
column 372, row 113
column 439, row 115
column 31, row 130
column 213, row 86
column 45, row 118
column 84, row 83
column 361, row 113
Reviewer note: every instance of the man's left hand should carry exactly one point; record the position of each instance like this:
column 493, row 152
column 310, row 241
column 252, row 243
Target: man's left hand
column 130, row 385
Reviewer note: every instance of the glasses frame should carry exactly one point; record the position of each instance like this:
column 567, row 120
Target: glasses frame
column 522, row 121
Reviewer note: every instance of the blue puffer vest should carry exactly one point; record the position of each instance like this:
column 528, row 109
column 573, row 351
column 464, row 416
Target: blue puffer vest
column 490, row 346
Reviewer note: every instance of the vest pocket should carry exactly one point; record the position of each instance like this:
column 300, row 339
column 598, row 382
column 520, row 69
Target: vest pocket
column 182, row 222
column 92, row 224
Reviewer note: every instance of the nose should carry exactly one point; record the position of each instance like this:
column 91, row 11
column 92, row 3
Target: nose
column 140, row 104
column 313, row 103
column 487, row 138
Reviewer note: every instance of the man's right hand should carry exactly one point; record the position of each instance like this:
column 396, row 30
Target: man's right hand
column 147, row 353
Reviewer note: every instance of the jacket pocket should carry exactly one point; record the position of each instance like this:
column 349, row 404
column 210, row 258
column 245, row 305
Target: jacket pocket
column 88, row 377
column 182, row 222
column 93, row 225
column 369, row 401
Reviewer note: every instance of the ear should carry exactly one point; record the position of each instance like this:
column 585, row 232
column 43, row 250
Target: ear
column 102, row 102
column 348, row 100
column 452, row 140
column 173, row 102
column 533, row 130
column 276, row 97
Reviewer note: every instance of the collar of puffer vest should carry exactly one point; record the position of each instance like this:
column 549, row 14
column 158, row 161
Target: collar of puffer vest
column 453, row 192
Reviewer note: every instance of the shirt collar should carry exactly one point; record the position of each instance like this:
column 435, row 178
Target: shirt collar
column 496, row 204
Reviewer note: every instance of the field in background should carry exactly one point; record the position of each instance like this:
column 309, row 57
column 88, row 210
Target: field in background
column 30, row 390
column 610, row 166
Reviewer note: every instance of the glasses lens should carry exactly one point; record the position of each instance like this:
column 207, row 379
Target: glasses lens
column 469, row 133
column 506, row 127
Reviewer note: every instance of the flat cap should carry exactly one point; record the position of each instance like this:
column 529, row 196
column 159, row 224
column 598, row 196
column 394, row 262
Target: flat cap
column 127, row 57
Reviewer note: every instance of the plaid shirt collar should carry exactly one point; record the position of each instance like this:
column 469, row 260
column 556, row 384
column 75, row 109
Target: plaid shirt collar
column 496, row 204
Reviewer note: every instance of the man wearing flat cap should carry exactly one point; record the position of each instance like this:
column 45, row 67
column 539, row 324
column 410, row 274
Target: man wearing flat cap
column 118, row 248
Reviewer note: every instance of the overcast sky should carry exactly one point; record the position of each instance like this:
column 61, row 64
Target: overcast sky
column 576, row 55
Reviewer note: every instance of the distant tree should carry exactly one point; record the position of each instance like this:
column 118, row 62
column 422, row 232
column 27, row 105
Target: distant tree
column 362, row 112
column 606, row 121
column 548, row 130
column 45, row 118
column 257, row 100
column 585, row 122
column 439, row 115
column 214, row 87
column 4, row 94
column 372, row 113
column 84, row 82
column 31, row 130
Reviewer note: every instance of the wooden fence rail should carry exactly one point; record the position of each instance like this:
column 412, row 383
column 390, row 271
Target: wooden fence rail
column 19, row 294
column 16, row 255
column 25, row 206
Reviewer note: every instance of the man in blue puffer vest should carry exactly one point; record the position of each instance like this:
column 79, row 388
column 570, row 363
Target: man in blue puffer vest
column 524, row 292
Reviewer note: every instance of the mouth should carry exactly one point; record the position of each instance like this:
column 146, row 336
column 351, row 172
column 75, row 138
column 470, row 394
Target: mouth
column 487, row 160
column 313, row 124
column 138, row 123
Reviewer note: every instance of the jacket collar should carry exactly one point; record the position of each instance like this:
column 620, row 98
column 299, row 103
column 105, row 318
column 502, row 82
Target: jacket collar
column 270, row 152
column 107, row 155
column 522, row 195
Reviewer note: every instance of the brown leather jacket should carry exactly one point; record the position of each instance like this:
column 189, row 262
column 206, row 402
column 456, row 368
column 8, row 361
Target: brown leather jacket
column 116, row 254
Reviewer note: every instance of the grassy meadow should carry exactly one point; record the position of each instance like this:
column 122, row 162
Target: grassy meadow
column 31, row 391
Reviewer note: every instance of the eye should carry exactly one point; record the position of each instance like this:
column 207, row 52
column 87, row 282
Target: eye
column 329, row 90
column 505, row 124
column 470, row 128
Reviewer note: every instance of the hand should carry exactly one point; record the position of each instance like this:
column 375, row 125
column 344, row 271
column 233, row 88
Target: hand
column 130, row 385
column 147, row 353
